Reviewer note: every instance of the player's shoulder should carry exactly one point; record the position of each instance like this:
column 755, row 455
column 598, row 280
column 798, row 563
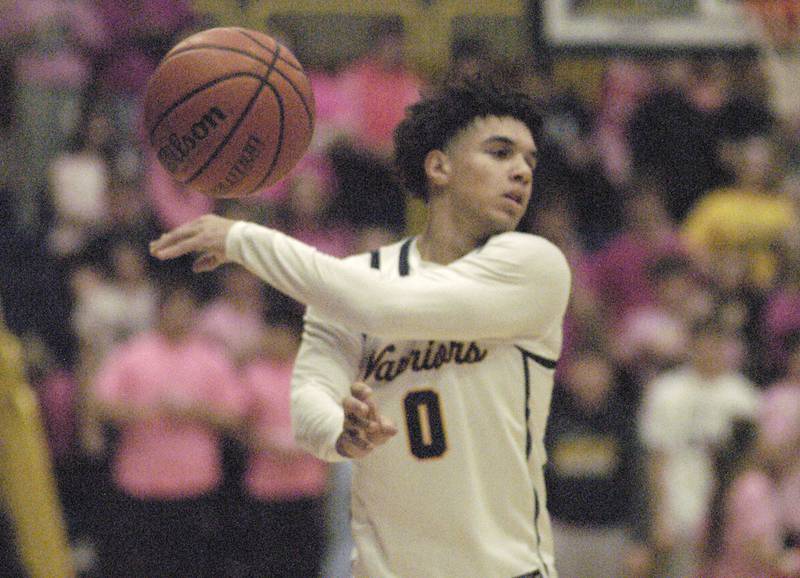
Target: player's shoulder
column 527, row 250
column 526, row 241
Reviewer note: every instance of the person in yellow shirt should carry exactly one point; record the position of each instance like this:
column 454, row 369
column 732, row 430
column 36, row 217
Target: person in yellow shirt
column 743, row 225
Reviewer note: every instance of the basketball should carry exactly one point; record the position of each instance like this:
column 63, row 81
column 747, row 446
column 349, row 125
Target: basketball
column 229, row 111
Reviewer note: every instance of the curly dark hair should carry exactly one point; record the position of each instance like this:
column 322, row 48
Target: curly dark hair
column 431, row 123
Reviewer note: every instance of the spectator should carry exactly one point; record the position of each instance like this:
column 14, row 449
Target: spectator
column 170, row 394
column 593, row 472
column 748, row 531
column 234, row 318
column 653, row 337
column 749, row 217
column 619, row 270
column 378, row 87
column 279, row 528
column 54, row 43
column 686, row 413
column 673, row 137
column 313, row 211
column 78, row 183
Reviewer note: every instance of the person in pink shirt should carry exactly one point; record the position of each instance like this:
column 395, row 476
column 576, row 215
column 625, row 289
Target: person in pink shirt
column 752, row 529
column 378, row 87
column 278, row 528
column 170, row 395
column 619, row 269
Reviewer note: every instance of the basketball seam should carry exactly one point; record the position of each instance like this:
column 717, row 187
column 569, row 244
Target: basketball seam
column 185, row 49
column 276, row 156
column 257, row 59
column 229, row 136
column 193, row 93
column 268, row 49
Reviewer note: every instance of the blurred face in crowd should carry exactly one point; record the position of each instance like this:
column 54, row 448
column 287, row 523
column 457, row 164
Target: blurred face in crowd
column 309, row 196
column 129, row 263
column 752, row 160
column 243, row 288
column 711, row 351
column 589, row 378
column 177, row 313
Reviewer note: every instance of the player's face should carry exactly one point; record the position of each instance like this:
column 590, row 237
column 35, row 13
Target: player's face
column 490, row 179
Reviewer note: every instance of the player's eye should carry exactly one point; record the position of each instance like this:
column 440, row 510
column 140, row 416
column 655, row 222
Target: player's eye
column 502, row 153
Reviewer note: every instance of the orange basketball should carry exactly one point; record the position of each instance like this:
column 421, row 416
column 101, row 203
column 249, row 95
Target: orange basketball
column 229, row 111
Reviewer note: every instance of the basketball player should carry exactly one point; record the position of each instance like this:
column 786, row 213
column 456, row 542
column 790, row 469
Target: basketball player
column 451, row 339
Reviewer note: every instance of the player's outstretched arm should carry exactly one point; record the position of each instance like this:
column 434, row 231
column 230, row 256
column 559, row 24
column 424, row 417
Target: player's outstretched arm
column 204, row 236
column 364, row 426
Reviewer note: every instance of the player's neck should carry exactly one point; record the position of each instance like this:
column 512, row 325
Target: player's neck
column 443, row 242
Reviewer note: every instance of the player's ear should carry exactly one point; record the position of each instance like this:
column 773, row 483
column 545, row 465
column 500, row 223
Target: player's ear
column 437, row 167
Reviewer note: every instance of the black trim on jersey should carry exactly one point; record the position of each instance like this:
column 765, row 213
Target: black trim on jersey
column 375, row 259
column 547, row 364
column 543, row 361
column 404, row 250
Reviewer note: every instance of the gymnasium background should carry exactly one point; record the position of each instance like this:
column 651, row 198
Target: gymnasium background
column 670, row 176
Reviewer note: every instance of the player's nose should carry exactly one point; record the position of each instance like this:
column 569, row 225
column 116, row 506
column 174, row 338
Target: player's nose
column 521, row 171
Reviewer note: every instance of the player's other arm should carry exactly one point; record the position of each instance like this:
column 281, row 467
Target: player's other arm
column 515, row 285
column 333, row 417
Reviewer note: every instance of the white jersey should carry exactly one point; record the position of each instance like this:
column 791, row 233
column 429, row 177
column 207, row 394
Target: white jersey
column 461, row 357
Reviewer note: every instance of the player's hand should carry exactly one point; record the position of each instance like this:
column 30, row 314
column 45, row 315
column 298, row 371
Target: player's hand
column 205, row 236
column 364, row 426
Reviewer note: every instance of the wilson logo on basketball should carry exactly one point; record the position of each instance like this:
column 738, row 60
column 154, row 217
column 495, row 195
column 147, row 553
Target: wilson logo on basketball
column 178, row 148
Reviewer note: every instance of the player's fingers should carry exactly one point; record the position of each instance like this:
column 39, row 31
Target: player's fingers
column 180, row 248
column 388, row 428
column 178, row 234
column 354, row 406
column 206, row 262
column 363, row 392
column 354, row 438
column 383, row 432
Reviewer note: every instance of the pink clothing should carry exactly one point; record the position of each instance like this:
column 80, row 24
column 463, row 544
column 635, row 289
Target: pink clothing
column 779, row 416
column 269, row 477
column 50, row 62
column 239, row 332
column 377, row 100
column 781, row 318
column 619, row 270
column 58, row 393
column 753, row 511
column 172, row 203
column 162, row 456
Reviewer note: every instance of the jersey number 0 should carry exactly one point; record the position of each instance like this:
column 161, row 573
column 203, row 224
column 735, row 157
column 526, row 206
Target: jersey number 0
column 424, row 420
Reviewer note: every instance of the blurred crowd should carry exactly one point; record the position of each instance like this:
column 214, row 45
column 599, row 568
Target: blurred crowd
column 674, row 438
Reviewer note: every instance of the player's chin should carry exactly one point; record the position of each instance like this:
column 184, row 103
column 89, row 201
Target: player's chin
column 504, row 221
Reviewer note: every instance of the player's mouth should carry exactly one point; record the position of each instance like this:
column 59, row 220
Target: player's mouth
column 516, row 197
